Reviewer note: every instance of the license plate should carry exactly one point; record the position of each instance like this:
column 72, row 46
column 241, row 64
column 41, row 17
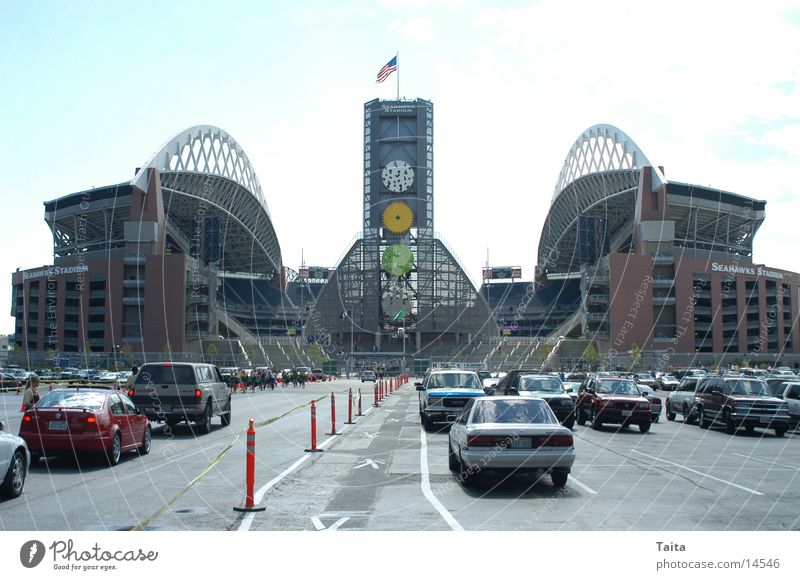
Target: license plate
column 58, row 425
column 521, row 443
column 627, row 413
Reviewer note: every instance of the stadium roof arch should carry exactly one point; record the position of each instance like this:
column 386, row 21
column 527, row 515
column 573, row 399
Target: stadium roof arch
column 205, row 172
column 600, row 176
column 600, row 179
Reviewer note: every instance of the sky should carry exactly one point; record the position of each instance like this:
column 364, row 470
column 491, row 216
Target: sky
column 89, row 90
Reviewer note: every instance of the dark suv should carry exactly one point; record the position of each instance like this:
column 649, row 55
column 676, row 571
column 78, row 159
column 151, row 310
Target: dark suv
column 612, row 400
column 739, row 402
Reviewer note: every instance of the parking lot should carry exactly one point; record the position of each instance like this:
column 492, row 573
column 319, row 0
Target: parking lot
column 385, row 473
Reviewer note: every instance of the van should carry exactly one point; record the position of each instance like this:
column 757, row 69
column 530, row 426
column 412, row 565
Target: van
column 174, row 392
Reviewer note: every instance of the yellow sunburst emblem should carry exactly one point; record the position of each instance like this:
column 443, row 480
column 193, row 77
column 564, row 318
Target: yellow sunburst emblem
column 398, row 217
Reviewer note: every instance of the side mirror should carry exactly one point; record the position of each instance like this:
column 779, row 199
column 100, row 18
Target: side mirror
column 488, row 390
column 2, row 426
column 419, row 386
column 511, row 391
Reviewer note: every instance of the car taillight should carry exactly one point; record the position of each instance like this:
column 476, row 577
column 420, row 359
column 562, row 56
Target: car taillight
column 26, row 419
column 482, row 441
column 560, row 441
column 130, row 392
column 197, row 394
column 91, row 419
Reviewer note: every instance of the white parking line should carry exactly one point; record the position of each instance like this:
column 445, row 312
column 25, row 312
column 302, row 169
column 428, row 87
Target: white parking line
column 583, row 486
column 425, row 483
column 679, row 466
column 785, row 465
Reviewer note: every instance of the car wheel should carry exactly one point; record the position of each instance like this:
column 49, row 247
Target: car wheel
column 730, row 426
column 644, row 427
column 427, row 424
column 597, row 423
column 204, row 422
column 687, row 414
column 226, row 416
column 147, row 441
column 452, row 460
column 670, row 413
column 701, row 418
column 581, row 417
column 115, row 451
column 172, row 422
column 466, row 478
column 15, row 476
column 559, row 477
column 780, row 431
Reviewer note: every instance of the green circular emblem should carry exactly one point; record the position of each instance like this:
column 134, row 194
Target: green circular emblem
column 398, row 260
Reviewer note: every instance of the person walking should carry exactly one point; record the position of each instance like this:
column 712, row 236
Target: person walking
column 131, row 378
column 31, row 395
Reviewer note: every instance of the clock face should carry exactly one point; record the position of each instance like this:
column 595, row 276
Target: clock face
column 398, row 217
column 397, row 176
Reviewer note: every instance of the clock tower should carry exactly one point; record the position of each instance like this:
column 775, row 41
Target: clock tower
column 399, row 288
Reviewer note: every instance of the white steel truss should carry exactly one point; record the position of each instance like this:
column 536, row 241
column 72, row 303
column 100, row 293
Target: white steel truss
column 599, row 149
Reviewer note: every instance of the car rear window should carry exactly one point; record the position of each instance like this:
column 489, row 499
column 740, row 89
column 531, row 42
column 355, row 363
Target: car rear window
column 545, row 384
column 520, row 411
column 72, row 399
column 454, row 381
column 166, row 375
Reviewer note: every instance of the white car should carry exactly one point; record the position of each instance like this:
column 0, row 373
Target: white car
column 655, row 401
column 791, row 395
column 667, row 383
column 511, row 434
column 14, row 463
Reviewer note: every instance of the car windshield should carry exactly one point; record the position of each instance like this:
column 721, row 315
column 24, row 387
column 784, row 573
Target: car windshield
column 72, row 399
column 454, row 381
column 166, row 375
column 544, row 384
column 747, row 388
column 618, row 387
column 518, row 411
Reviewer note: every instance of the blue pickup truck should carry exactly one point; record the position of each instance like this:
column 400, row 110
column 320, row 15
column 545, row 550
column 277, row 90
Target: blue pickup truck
column 443, row 394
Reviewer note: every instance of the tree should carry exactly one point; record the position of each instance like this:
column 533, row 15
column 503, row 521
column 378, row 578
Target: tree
column 591, row 356
column 212, row 350
column 636, row 354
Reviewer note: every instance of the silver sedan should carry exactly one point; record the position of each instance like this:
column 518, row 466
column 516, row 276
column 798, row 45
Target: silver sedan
column 14, row 463
column 510, row 434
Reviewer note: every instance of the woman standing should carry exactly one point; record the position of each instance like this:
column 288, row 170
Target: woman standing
column 31, row 395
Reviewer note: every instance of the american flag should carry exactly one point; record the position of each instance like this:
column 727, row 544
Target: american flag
column 387, row 69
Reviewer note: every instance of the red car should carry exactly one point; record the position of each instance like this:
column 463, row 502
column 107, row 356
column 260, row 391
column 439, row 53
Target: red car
column 78, row 420
column 612, row 400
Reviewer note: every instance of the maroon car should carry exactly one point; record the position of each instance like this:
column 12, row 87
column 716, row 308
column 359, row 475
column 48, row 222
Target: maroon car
column 84, row 420
column 612, row 400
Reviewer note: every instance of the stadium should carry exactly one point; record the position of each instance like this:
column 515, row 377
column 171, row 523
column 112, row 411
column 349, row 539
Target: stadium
column 631, row 262
column 183, row 260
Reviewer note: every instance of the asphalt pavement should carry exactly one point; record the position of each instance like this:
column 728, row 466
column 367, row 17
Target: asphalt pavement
column 385, row 473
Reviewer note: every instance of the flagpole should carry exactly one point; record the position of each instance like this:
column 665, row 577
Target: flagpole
column 397, row 56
